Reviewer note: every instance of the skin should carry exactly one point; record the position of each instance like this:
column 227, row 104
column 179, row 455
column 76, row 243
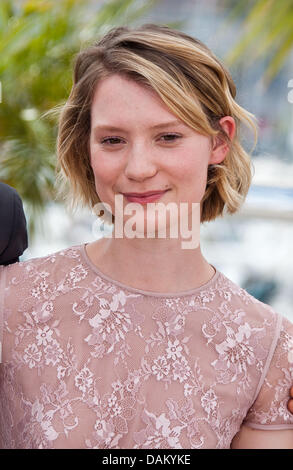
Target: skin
column 143, row 160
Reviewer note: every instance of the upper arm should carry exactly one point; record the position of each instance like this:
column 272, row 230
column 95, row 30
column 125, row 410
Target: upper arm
column 248, row 438
column 268, row 423
column 269, row 412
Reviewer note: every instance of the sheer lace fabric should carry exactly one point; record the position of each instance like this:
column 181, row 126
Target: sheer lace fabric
column 88, row 362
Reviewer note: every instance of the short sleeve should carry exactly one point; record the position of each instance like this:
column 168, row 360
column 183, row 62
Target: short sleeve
column 269, row 410
column 2, row 290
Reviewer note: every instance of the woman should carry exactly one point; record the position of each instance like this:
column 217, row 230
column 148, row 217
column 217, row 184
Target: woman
column 133, row 341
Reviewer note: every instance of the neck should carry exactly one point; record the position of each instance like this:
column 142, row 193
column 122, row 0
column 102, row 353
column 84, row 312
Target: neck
column 159, row 265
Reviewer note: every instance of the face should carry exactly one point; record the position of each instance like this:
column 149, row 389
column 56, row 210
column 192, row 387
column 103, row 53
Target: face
column 134, row 149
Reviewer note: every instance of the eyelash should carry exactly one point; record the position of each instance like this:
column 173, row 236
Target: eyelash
column 105, row 140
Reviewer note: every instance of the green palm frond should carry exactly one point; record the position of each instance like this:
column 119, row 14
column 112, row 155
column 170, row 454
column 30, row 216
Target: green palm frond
column 267, row 33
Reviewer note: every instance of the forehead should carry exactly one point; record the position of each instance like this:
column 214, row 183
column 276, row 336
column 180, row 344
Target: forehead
column 120, row 97
column 117, row 81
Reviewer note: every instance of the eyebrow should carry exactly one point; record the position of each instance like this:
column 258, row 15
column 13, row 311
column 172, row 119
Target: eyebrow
column 156, row 126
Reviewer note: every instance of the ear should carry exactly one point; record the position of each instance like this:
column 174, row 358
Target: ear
column 219, row 147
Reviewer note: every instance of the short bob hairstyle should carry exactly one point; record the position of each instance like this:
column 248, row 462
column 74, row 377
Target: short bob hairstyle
column 189, row 79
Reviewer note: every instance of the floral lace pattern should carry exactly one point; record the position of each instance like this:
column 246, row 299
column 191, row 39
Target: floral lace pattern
column 88, row 363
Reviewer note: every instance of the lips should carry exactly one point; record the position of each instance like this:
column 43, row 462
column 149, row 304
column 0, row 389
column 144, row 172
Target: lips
column 149, row 193
column 144, row 198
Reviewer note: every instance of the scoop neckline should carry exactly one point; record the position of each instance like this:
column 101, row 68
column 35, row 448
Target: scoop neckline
column 185, row 293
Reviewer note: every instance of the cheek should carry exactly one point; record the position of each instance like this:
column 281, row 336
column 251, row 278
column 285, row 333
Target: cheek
column 191, row 175
column 192, row 159
column 104, row 168
column 190, row 168
column 104, row 179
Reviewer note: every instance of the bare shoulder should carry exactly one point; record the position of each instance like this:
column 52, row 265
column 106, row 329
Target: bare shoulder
column 249, row 438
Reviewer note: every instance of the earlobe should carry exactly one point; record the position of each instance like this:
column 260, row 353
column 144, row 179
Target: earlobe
column 219, row 152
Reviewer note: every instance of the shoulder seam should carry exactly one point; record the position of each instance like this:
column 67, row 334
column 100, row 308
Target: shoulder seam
column 270, row 355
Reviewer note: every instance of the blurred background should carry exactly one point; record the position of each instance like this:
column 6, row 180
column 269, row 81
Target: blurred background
column 38, row 40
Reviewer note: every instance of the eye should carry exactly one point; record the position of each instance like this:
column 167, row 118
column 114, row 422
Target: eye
column 175, row 137
column 108, row 139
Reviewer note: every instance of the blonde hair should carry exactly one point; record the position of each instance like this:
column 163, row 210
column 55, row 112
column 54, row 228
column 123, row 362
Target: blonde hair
column 189, row 79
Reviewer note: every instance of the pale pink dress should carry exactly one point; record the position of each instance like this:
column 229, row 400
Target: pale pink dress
column 88, row 362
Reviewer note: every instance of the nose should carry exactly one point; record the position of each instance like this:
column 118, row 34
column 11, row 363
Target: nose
column 140, row 163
